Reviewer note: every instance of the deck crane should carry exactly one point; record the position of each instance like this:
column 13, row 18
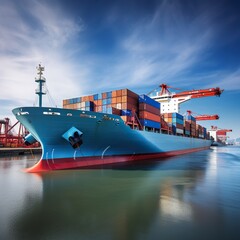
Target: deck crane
column 204, row 116
column 170, row 100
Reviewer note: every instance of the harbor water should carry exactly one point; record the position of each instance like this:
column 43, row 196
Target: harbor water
column 192, row 196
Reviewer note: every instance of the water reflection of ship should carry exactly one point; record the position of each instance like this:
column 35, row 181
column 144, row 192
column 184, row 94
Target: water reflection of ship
column 123, row 203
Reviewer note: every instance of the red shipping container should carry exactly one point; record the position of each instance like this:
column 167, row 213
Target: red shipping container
column 149, row 108
column 149, row 116
column 116, row 111
column 179, row 126
column 127, row 92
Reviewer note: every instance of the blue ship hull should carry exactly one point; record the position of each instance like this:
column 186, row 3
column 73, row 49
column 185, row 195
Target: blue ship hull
column 105, row 139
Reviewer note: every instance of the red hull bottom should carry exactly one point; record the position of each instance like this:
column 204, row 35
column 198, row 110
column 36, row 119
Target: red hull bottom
column 90, row 162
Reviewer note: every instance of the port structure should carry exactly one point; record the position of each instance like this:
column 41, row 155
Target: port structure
column 170, row 101
column 218, row 134
column 8, row 137
column 41, row 84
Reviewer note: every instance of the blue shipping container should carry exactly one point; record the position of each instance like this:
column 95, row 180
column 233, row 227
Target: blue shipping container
column 187, row 132
column 191, row 118
column 95, row 96
column 126, row 112
column 149, row 123
column 177, row 115
column 109, row 94
column 99, row 96
column 177, row 120
column 145, row 99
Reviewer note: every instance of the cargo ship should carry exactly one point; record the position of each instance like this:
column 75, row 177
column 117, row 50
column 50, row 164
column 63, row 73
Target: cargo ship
column 108, row 128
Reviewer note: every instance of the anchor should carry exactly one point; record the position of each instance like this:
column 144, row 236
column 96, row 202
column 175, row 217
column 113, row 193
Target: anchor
column 74, row 137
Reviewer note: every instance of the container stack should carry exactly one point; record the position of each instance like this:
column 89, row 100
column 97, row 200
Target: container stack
column 205, row 133
column 199, row 131
column 136, row 110
column 177, row 123
column 192, row 121
column 127, row 101
column 149, row 113
column 83, row 103
column 175, row 120
column 120, row 102
column 187, row 128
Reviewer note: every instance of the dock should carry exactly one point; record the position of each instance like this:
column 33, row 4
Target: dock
column 19, row 151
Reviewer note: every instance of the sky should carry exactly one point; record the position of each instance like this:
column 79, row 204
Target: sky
column 94, row 46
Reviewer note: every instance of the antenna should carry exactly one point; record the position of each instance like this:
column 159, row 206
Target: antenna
column 41, row 82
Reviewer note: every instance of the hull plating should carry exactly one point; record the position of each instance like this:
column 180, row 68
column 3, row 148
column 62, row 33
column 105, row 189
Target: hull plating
column 105, row 139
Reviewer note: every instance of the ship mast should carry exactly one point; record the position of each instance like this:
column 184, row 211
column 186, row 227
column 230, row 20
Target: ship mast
column 41, row 82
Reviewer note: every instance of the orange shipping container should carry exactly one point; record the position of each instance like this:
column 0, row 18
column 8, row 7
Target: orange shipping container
column 85, row 99
column 98, row 109
column 119, row 93
column 99, row 102
column 114, row 100
column 104, row 95
column 114, row 94
column 65, row 102
column 90, row 98
column 119, row 99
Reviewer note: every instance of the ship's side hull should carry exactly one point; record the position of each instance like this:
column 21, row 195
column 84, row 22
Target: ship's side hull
column 105, row 139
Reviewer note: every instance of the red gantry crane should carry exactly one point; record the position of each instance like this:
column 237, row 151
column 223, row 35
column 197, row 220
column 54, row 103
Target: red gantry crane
column 203, row 117
column 8, row 137
column 170, row 100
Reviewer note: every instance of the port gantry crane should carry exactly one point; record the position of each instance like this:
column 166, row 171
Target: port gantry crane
column 218, row 134
column 7, row 136
column 204, row 116
column 170, row 100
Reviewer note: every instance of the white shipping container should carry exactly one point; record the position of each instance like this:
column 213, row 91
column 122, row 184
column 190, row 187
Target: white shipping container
column 180, row 131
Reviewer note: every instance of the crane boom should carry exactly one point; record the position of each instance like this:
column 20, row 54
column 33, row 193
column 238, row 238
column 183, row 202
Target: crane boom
column 207, row 117
column 170, row 101
column 200, row 93
column 203, row 116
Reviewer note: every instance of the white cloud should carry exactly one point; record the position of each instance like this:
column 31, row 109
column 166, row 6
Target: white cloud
column 38, row 37
column 163, row 47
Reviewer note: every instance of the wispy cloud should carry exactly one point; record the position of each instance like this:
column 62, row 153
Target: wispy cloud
column 164, row 45
column 33, row 34
column 161, row 48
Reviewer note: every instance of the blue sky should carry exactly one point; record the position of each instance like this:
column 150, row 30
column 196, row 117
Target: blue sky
column 91, row 46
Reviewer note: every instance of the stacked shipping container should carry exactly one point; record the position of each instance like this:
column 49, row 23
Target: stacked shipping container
column 149, row 112
column 192, row 121
column 174, row 120
column 138, row 110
